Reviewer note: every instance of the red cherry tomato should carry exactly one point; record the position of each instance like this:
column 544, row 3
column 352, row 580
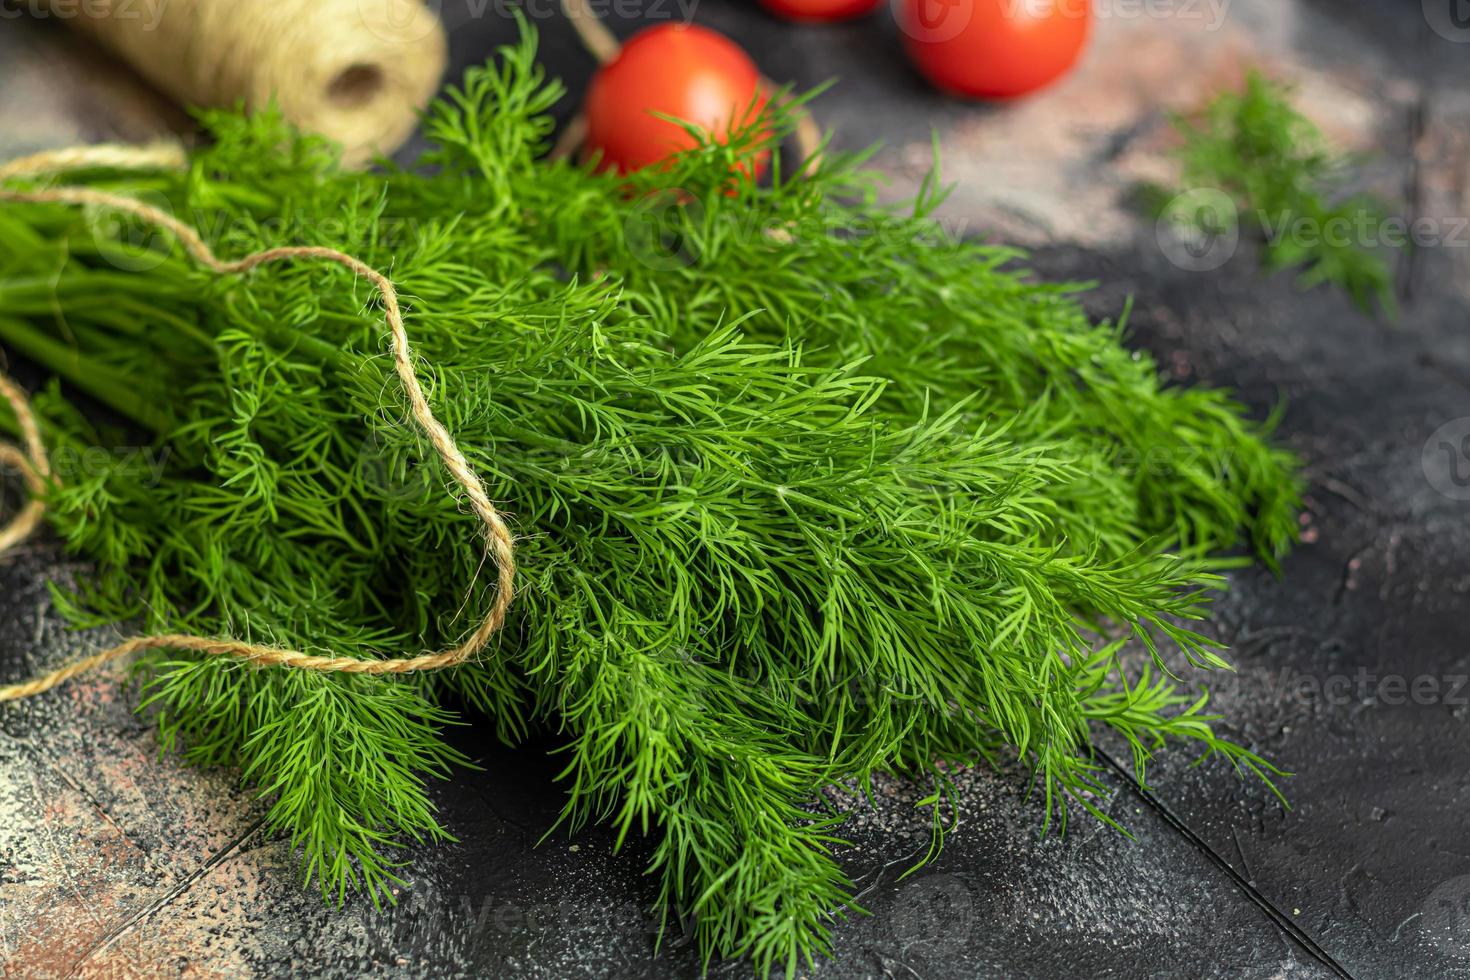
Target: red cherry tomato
column 682, row 71
column 994, row 49
column 821, row 10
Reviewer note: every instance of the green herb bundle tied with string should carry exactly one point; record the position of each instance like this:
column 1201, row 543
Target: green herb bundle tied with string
column 802, row 491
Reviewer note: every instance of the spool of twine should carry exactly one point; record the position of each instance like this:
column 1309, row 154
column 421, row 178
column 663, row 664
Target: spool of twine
column 357, row 71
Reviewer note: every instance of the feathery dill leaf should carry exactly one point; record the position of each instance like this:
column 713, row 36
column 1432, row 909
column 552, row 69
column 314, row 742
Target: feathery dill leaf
column 1287, row 183
column 804, row 491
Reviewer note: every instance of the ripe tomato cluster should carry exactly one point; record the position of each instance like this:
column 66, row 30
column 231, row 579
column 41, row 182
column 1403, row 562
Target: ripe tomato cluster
column 989, row 49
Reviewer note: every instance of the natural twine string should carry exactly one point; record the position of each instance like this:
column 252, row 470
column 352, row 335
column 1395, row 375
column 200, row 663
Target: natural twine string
column 158, row 156
column 33, row 464
column 32, row 460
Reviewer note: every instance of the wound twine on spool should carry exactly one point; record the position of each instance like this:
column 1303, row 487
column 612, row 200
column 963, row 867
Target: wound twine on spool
column 32, row 461
column 357, row 71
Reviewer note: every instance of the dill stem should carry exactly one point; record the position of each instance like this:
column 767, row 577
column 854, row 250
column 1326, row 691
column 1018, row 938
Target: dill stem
column 97, row 381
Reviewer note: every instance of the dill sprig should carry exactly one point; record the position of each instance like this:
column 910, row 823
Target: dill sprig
column 1287, row 183
column 804, row 490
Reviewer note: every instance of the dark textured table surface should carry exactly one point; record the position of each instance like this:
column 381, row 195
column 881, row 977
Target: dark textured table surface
column 1353, row 665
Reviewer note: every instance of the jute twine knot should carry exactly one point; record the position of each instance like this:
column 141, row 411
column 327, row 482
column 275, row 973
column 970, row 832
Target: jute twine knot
column 31, row 459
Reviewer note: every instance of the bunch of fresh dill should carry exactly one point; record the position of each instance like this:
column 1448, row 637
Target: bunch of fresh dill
column 804, row 490
column 1287, row 185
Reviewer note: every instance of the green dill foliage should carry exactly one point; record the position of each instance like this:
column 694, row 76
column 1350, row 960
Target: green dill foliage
column 804, row 491
column 1287, row 183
